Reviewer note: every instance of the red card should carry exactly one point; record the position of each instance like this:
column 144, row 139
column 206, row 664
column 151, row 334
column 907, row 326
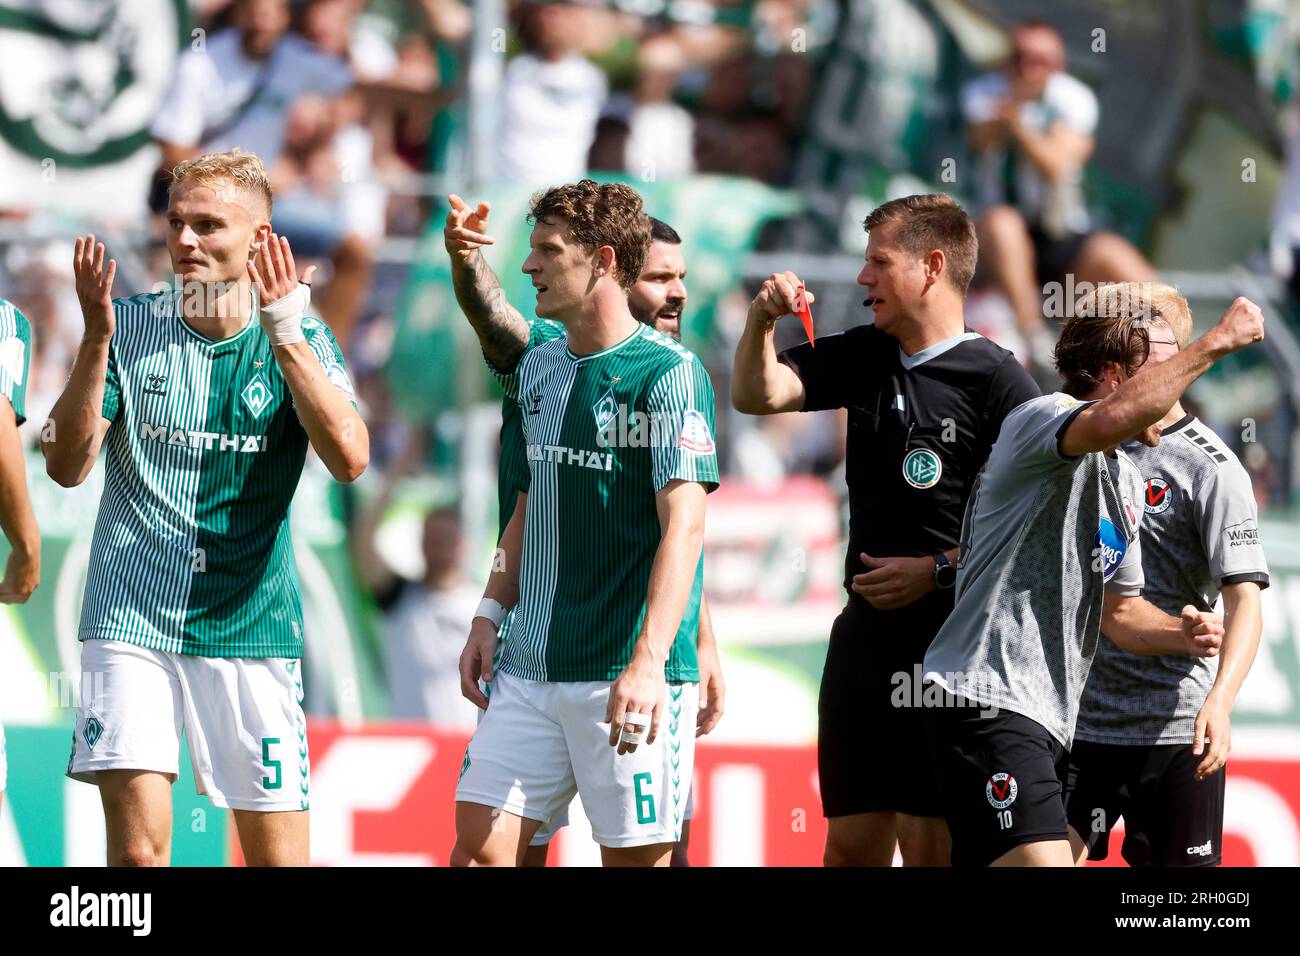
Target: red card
column 805, row 313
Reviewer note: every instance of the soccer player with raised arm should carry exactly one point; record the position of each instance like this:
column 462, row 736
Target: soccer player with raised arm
column 657, row 298
column 22, row 571
column 1153, row 733
column 611, row 546
column 1050, row 560
column 205, row 400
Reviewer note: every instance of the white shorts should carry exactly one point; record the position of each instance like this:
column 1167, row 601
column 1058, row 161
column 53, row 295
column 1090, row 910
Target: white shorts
column 546, row 832
column 538, row 744
column 242, row 717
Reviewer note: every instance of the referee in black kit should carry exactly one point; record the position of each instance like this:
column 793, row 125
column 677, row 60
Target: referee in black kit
column 925, row 399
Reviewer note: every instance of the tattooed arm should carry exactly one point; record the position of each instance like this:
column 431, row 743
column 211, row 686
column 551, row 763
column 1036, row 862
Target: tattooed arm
column 501, row 330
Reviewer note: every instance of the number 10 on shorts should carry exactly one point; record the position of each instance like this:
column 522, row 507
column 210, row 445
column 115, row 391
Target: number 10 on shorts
column 645, row 802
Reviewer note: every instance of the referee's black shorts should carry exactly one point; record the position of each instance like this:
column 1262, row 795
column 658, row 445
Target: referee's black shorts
column 871, row 745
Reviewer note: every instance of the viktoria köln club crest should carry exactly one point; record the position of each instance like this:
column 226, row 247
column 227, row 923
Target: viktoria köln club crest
column 1001, row 790
column 1158, row 497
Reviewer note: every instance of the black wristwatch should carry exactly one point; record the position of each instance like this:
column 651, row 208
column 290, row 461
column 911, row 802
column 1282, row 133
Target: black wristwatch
column 945, row 575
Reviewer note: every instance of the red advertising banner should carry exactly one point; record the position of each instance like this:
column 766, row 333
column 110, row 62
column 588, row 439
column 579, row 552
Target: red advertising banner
column 384, row 795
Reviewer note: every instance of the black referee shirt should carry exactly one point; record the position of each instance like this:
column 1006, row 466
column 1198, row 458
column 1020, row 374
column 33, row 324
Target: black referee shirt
column 917, row 437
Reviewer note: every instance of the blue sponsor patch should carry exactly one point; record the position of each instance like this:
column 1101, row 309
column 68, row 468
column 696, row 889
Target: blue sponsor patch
column 1109, row 548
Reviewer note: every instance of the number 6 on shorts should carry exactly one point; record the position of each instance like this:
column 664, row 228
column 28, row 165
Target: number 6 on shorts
column 645, row 802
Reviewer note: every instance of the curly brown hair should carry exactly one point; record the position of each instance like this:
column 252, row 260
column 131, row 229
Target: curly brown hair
column 1112, row 325
column 600, row 214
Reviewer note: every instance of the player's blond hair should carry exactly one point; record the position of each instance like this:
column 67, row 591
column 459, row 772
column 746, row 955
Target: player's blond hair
column 243, row 170
column 1173, row 308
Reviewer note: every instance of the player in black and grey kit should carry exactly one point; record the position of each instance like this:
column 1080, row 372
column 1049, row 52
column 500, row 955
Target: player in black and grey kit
column 1050, row 556
column 1153, row 732
column 925, row 398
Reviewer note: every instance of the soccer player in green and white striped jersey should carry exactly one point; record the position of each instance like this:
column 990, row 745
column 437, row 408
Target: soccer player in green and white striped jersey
column 618, row 426
column 205, row 400
column 657, row 298
column 22, row 571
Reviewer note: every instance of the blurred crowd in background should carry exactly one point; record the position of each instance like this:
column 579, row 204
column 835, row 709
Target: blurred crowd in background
column 361, row 111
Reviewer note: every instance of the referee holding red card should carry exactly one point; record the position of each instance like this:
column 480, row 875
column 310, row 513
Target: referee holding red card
column 926, row 398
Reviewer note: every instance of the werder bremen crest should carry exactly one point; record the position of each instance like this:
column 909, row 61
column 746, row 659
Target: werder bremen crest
column 256, row 395
column 92, row 731
column 605, row 410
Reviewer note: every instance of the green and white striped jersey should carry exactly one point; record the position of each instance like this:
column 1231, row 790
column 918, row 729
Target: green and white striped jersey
column 15, row 357
column 603, row 433
column 191, row 552
column 512, row 474
column 513, row 477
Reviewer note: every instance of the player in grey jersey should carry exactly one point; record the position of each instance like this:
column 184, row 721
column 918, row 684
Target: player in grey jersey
column 1153, row 732
column 1050, row 554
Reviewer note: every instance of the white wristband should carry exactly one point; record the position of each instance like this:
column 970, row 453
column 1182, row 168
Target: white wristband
column 282, row 319
column 492, row 610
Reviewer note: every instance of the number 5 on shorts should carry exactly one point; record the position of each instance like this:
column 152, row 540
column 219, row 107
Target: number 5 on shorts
column 268, row 762
column 645, row 802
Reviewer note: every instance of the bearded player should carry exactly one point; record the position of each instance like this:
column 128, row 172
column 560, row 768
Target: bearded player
column 205, row 401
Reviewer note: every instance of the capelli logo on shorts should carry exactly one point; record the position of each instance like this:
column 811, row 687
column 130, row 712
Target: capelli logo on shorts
column 1203, row 850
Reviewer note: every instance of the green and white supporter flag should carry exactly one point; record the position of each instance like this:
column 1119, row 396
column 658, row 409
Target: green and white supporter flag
column 80, row 83
column 603, row 434
column 15, row 357
column 191, row 552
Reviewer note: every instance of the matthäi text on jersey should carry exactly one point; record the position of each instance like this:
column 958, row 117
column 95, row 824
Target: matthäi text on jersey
column 562, row 454
column 193, row 438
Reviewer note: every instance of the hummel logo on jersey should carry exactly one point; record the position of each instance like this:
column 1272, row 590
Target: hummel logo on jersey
column 197, row 439
column 153, row 384
column 257, row 395
column 562, row 455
